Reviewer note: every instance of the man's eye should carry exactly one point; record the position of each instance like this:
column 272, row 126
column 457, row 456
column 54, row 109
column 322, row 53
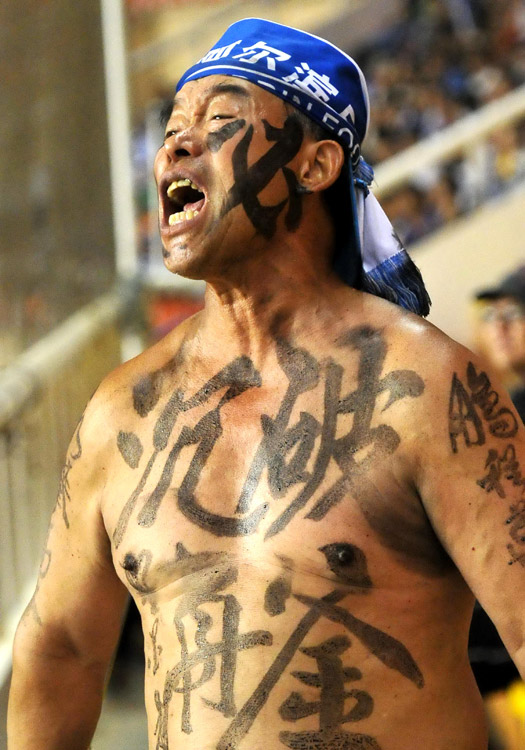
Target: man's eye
column 221, row 117
column 169, row 133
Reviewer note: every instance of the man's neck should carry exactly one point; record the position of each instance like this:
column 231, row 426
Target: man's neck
column 265, row 303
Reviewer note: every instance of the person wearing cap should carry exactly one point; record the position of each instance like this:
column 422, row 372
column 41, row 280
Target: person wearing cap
column 500, row 334
column 302, row 487
column 501, row 331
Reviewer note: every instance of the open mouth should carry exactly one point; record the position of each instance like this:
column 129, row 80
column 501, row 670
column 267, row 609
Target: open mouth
column 185, row 200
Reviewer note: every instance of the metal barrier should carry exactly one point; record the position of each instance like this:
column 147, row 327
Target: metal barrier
column 42, row 396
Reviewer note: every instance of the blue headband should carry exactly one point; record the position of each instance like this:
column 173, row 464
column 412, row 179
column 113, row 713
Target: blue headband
column 328, row 86
column 300, row 68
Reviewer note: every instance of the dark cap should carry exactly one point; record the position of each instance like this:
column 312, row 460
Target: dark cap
column 512, row 285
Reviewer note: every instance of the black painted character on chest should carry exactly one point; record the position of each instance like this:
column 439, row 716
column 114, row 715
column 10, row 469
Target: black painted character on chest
column 338, row 703
column 250, row 181
column 290, row 454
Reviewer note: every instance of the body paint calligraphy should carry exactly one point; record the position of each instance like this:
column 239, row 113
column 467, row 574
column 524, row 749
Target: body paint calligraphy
column 180, row 679
column 330, row 679
column 64, row 496
column 216, row 140
column 236, row 377
column 391, row 652
column 285, row 450
column 249, row 181
column 506, row 467
column 471, row 405
column 219, row 572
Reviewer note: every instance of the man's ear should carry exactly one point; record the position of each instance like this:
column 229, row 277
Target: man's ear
column 322, row 165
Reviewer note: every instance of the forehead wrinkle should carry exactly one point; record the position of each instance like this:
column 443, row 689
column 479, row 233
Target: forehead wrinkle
column 228, row 88
column 212, row 92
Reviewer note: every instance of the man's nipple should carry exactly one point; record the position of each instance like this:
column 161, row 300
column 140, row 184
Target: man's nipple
column 348, row 562
column 131, row 563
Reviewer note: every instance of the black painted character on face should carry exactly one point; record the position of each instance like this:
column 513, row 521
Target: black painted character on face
column 249, row 181
column 255, row 174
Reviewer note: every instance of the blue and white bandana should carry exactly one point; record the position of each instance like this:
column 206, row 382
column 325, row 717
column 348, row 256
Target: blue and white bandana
column 304, row 70
column 328, row 86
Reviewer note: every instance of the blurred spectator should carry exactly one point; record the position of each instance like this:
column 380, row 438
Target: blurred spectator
column 440, row 195
column 508, row 157
column 501, row 338
column 442, row 60
column 426, row 204
column 501, row 331
column 409, row 213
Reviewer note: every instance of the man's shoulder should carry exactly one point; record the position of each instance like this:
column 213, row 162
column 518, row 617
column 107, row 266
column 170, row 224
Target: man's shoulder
column 115, row 395
column 409, row 338
column 411, row 343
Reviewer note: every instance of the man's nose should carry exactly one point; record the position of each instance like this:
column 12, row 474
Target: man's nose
column 187, row 142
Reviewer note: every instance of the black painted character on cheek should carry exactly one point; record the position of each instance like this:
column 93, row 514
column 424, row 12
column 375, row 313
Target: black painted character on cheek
column 216, row 140
column 249, row 181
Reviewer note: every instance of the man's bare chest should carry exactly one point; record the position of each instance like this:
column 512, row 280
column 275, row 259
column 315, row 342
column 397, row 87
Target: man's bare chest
column 261, row 515
column 273, row 455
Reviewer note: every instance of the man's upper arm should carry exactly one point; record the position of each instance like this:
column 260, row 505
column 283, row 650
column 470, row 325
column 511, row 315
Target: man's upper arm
column 78, row 603
column 471, row 478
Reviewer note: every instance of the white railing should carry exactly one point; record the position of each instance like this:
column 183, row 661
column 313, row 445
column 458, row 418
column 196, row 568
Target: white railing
column 460, row 138
column 42, row 396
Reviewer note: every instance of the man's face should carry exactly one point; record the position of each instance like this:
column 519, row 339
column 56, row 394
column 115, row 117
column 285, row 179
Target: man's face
column 225, row 175
column 503, row 331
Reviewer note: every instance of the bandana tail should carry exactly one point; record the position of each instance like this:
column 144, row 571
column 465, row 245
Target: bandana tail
column 388, row 270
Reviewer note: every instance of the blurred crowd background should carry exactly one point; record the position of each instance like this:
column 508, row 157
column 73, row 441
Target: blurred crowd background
column 440, row 62
column 430, row 65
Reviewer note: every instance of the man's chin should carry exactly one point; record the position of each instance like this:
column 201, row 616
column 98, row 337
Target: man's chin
column 183, row 264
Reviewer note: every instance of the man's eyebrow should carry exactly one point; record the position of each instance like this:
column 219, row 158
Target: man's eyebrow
column 216, row 90
column 228, row 88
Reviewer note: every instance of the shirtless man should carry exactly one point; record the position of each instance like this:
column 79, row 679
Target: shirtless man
column 302, row 485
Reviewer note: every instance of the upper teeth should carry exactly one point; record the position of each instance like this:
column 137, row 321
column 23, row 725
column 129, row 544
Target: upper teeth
column 181, row 183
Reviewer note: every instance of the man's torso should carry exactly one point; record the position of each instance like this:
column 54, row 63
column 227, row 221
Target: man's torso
column 292, row 590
